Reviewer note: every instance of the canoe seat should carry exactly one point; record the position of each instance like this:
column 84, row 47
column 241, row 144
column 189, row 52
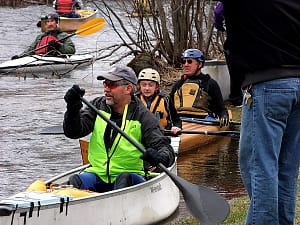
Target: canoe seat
column 84, row 147
column 84, row 13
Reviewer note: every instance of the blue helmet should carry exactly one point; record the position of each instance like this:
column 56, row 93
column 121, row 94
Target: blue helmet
column 194, row 54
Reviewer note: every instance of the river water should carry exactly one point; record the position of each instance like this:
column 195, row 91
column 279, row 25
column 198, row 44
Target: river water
column 29, row 105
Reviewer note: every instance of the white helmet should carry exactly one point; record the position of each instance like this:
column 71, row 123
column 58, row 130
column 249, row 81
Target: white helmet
column 149, row 74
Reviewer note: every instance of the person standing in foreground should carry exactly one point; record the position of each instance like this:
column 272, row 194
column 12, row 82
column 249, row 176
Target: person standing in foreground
column 235, row 95
column 197, row 94
column 263, row 39
column 156, row 100
column 115, row 163
column 52, row 39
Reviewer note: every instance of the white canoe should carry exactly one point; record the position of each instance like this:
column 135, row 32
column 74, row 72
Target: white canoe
column 145, row 203
column 35, row 64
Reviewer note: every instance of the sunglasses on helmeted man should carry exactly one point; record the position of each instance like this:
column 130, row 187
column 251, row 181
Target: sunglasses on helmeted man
column 114, row 84
column 189, row 61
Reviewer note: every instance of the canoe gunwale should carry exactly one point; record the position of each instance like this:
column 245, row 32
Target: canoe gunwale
column 191, row 142
column 157, row 188
column 36, row 63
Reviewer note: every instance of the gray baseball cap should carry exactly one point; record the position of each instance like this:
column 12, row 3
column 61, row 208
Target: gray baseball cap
column 119, row 73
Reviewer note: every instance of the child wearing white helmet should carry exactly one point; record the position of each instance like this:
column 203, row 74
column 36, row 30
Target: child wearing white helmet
column 156, row 100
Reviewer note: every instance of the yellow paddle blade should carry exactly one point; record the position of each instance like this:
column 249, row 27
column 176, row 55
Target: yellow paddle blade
column 90, row 27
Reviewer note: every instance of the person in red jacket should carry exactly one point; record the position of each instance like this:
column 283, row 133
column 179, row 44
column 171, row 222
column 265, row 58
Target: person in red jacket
column 66, row 8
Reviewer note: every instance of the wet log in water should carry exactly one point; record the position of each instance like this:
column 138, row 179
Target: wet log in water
column 20, row 3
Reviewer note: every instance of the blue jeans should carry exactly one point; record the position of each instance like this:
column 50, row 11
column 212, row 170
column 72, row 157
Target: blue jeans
column 90, row 181
column 270, row 151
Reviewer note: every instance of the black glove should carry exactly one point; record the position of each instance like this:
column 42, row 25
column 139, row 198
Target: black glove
column 224, row 119
column 53, row 45
column 152, row 156
column 72, row 96
column 15, row 57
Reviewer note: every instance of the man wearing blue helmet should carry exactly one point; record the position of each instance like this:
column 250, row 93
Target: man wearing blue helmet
column 197, row 94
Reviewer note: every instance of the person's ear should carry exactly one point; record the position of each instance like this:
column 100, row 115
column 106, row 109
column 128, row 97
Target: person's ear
column 200, row 65
column 156, row 87
column 129, row 88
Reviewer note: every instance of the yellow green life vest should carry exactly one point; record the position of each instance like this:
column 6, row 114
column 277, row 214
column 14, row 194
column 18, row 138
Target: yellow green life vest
column 122, row 156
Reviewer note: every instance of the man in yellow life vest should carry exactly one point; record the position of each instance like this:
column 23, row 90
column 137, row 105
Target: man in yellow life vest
column 156, row 100
column 115, row 163
column 197, row 94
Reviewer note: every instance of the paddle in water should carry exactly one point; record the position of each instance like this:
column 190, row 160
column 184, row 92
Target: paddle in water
column 204, row 204
column 53, row 130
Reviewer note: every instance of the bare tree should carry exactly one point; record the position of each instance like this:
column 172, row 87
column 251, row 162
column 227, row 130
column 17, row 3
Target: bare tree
column 163, row 29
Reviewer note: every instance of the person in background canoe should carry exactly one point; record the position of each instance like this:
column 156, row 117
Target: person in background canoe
column 156, row 100
column 67, row 8
column 263, row 40
column 115, row 163
column 235, row 95
column 51, row 39
column 197, row 94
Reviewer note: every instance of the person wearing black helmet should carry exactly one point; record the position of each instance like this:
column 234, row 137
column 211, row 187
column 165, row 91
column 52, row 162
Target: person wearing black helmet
column 197, row 94
column 52, row 40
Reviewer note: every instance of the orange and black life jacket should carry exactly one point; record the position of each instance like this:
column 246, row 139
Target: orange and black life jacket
column 158, row 108
column 44, row 42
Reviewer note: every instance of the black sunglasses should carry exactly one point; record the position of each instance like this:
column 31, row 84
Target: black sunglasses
column 189, row 61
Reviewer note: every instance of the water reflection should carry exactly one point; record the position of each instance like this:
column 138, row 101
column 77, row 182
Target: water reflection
column 214, row 165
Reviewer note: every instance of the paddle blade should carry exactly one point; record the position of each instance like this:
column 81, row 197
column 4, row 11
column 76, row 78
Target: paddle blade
column 90, row 27
column 207, row 206
column 58, row 129
column 203, row 203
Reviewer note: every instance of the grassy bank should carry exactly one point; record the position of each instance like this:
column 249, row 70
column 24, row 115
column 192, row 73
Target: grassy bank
column 238, row 210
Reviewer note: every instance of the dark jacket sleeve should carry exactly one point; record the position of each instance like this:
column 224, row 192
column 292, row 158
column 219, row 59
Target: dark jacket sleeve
column 175, row 87
column 153, row 137
column 174, row 117
column 216, row 102
column 80, row 122
column 67, row 47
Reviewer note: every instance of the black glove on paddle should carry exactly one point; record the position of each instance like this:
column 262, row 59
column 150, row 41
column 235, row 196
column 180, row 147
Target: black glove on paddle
column 53, row 45
column 72, row 97
column 15, row 57
column 152, row 156
column 224, row 119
